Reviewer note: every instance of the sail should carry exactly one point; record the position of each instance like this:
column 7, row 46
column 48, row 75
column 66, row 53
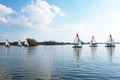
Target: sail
column 110, row 40
column 7, row 43
column 93, row 41
column 26, row 43
column 77, row 40
column 19, row 43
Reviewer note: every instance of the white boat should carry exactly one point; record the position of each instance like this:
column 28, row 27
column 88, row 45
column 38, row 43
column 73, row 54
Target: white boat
column 19, row 43
column 93, row 42
column 26, row 43
column 110, row 42
column 7, row 43
column 77, row 42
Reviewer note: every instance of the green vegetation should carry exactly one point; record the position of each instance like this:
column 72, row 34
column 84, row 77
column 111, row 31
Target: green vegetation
column 32, row 42
column 52, row 43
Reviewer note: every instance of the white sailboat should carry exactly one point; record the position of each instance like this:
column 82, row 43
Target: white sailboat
column 93, row 42
column 110, row 42
column 19, row 43
column 7, row 43
column 26, row 43
column 77, row 42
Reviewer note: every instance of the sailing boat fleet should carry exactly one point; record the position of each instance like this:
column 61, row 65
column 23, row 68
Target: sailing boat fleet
column 7, row 44
column 78, row 43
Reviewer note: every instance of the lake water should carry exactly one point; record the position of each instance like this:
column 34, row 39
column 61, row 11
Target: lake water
column 59, row 63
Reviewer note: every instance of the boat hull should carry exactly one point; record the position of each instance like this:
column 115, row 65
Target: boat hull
column 110, row 45
column 77, row 46
column 7, row 45
column 93, row 46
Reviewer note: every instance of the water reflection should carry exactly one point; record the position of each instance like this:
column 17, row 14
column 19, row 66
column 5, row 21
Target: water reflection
column 4, row 74
column 7, row 50
column 77, row 52
column 31, row 50
column 45, row 67
column 110, row 51
column 93, row 52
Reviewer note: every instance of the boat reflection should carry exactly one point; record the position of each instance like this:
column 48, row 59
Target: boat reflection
column 77, row 53
column 93, row 52
column 31, row 50
column 110, row 51
column 7, row 50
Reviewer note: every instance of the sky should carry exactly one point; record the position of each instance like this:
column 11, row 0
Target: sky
column 59, row 20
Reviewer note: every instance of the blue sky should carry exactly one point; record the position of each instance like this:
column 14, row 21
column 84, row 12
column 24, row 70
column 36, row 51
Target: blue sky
column 59, row 20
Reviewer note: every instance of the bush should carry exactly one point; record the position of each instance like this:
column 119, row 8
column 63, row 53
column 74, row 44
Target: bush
column 32, row 42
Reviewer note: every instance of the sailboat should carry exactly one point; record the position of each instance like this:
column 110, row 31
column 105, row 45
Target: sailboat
column 26, row 43
column 77, row 42
column 7, row 43
column 93, row 42
column 19, row 43
column 110, row 42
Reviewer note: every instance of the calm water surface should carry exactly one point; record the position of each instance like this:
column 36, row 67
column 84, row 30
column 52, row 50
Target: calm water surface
column 59, row 63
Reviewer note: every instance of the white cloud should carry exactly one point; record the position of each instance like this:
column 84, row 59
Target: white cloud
column 40, row 13
column 68, row 31
column 105, row 25
column 4, row 12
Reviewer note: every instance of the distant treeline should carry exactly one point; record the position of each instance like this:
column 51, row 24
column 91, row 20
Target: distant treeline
column 33, row 42
column 53, row 43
